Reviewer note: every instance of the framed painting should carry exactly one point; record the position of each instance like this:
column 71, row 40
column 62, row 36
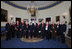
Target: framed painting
column 48, row 19
column 4, row 15
column 57, row 18
column 70, row 16
column 18, row 19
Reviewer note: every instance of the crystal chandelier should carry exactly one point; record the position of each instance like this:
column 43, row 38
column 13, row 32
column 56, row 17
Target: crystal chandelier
column 32, row 9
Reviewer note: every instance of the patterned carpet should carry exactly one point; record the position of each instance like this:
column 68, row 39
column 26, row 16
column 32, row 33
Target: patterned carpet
column 17, row 43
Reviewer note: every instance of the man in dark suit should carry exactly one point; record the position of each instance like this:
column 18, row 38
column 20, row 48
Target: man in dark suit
column 43, row 29
column 17, row 28
column 47, row 30
column 31, row 30
column 58, row 28
column 62, row 30
column 23, row 32
column 8, row 30
column 58, row 25
column 38, row 30
column 13, row 29
column 27, row 29
column 35, row 29
column 53, row 31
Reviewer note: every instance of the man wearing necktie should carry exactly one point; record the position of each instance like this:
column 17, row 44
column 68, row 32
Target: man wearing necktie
column 43, row 29
column 38, row 30
column 27, row 29
column 53, row 31
column 8, row 30
column 62, row 32
column 47, row 30
column 17, row 28
column 23, row 32
column 35, row 29
column 31, row 30
column 13, row 29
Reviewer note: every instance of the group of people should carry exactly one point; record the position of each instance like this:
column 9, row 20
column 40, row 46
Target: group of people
column 37, row 30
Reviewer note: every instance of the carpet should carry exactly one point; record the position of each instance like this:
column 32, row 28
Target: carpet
column 17, row 43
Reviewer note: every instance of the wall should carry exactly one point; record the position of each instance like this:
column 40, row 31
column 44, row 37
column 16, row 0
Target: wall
column 56, row 11
column 15, row 12
column 51, row 12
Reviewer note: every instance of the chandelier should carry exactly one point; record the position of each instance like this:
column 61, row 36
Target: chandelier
column 32, row 9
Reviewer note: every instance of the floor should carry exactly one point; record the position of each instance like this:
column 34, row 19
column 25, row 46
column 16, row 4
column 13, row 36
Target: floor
column 17, row 43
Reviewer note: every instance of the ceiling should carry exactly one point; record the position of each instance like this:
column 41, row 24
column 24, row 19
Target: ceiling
column 40, row 4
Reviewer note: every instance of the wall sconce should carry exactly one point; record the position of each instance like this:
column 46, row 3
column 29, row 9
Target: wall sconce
column 65, row 14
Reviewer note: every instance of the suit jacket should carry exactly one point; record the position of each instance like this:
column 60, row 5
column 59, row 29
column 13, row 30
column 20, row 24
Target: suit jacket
column 53, row 28
column 38, row 27
column 62, row 28
column 13, row 27
column 58, row 27
column 31, row 28
column 35, row 27
column 8, row 27
column 43, row 27
column 17, row 27
column 49, row 27
column 22, row 26
column 26, row 27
